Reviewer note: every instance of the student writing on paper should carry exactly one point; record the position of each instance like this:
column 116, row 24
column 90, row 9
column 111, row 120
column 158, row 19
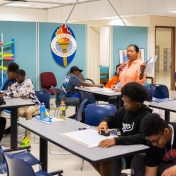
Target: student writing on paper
column 134, row 69
column 128, row 120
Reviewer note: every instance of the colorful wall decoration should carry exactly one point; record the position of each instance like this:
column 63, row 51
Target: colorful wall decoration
column 63, row 45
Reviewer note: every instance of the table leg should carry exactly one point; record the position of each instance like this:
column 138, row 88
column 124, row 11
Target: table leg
column 116, row 167
column 13, row 139
column 167, row 116
column 44, row 153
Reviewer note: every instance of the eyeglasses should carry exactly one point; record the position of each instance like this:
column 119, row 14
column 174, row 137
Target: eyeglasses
column 156, row 141
column 127, row 103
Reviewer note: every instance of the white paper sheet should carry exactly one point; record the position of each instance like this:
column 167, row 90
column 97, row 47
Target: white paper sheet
column 150, row 64
column 89, row 137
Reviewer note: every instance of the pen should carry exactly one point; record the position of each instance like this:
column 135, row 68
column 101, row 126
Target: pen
column 85, row 128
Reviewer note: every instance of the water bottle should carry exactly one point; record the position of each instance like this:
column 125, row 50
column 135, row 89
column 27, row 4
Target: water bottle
column 62, row 110
column 42, row 111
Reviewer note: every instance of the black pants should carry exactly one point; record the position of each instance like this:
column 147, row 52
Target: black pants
column 2, row 126
column 138, row 165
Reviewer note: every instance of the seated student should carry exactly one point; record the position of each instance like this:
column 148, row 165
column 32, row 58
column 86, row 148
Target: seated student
column 11, row 72
column 115, row 80
column 128, row 120
column 161, row 157
column 24, row 88
column 112, row 82
column 67, row 91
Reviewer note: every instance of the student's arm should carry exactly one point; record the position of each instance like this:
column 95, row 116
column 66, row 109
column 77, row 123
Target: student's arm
column 169, row 171
column 91, row 85
column 151, row 171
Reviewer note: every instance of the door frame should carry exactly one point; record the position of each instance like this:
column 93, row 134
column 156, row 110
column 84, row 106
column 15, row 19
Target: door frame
column 172, row 81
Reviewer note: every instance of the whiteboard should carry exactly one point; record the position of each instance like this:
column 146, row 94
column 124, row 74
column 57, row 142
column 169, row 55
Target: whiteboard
column 89, row 137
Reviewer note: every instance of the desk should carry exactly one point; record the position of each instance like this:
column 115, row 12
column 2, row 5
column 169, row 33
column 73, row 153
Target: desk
column 50, row 132
column 13, row 104
column 167, row 106
column 104, row 93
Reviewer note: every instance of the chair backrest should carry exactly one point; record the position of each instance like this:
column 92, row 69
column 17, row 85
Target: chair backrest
column 95, row 113
column 150, row 89
column 80, row 110
column 48, row 79
column 86, row 95
column 44, row 97
column 18, row 167
column 161, row 91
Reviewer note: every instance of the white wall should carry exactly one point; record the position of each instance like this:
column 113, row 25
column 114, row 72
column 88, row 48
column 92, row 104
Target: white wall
column 23, row 14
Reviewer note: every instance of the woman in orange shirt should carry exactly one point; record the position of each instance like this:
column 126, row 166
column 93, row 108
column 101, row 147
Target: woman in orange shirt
column 134, row 69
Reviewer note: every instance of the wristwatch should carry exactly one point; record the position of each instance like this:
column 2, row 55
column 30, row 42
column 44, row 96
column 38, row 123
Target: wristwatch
column 141, row 73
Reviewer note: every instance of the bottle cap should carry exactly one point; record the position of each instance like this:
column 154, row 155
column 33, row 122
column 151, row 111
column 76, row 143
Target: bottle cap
column 62, row 102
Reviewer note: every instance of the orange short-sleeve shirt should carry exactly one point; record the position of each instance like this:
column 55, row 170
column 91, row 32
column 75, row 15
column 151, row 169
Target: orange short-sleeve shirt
column 131, row 73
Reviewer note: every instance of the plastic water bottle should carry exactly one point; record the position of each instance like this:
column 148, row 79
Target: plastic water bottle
column 42, row 111
column 62, row 110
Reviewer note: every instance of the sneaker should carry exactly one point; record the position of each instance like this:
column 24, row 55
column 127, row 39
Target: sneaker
column 26, row 142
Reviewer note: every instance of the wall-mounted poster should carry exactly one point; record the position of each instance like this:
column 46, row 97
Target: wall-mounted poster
column 123, row 56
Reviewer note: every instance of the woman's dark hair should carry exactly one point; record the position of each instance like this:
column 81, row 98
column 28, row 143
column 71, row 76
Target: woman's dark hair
column 21, row 72
column 135, row 47
column 117, row 66
column 153, row 124
column 12, row 67
column 135, row 91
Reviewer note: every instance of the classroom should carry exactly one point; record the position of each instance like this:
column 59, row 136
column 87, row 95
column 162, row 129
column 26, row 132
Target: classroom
column 103, row 30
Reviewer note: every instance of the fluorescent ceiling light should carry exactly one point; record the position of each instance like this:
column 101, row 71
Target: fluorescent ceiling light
column 17, row 5
column 172, row 11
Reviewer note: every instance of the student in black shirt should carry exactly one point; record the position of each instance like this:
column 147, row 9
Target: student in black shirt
column 128, row 120
column 160, row 159
column 11, row 71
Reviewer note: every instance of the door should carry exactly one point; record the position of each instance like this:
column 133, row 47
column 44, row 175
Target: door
column 165, row 50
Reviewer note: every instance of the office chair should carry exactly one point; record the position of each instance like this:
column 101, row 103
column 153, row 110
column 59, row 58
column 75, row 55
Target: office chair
column 161, row 93
column 150, row 89
column 94, row 113
column 23, row 155
column 19, row 167
column 44, row 97
column 48, row 79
